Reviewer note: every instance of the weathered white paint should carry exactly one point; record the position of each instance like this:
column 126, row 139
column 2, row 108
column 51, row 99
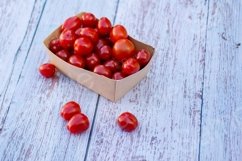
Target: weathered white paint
column 168, row 102
column 18, row 22
column 33, row 129
column 222, row 107
column 190, row 50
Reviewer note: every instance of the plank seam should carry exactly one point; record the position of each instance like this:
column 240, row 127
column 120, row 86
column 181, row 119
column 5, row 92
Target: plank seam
column 94, row 117
column 15, row 58
column 90, row 135
column 203, row 78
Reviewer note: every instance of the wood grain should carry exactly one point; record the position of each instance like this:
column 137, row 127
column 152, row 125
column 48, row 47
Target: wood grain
column 33, row 129
column 222, row 106
column 19, row 20
column 168, row 102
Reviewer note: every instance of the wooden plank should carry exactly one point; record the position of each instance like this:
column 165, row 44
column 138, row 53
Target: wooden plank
column 168, row 102
column 18, row 22
column 222, row 109
column 33, row 129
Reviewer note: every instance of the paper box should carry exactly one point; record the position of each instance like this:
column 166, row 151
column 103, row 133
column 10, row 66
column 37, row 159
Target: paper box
column 109, row 88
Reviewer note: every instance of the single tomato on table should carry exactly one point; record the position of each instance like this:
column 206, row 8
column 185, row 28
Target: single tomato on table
column 70, row 109
column 47, row 70
column 127, row 121
column 78, row 123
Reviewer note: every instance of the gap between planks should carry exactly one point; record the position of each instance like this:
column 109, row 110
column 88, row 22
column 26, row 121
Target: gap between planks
column 207, row 2
column 95, row 113
column 15, row 58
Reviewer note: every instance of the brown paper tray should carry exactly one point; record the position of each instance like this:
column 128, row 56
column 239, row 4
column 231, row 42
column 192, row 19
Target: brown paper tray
column 109, row 88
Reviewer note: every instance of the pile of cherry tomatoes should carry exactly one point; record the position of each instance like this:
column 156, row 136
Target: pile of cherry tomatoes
column 94, row 44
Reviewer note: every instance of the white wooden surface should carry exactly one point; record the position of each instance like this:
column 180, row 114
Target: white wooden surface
column 222, row 104
column 189, row 106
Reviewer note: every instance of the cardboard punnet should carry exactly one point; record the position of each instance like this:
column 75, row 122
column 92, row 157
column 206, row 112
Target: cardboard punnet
column 109, row 88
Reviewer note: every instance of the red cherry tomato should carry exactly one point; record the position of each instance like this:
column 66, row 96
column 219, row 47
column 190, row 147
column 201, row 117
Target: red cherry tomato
column 83, row 46
column 102, row 70
column 78, row 123
column 67, row 39
column 112, row 65
column 77, row 61
column 47, row 70
column 101, row 43
column 127, row 121
column 118, row 32
column 104, row 26
column 92, row 61
column 90, row 33
column 123, row 49
column 143, row 57
column 130, row 66
column 105, row 53
column 70, row 109
column 63, row 54
column 118, row 76
column 71, row 23
column 54, row 45
column 88, row 20
column 77, row 32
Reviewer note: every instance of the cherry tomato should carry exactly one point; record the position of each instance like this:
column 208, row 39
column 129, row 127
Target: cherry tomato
column 130, row 66
column 77, row 61
column 90, row 33
column 78, row 123
column 77, row 32
column 118, row 76
column 67, row 39
column 143, row 57
column 71, row 23
column 101, row 43
column 123, row 49
column 127, row 121
column 102, row 70
column 70, row 109
column 88, row 20
column 112, row 65
column 105, row 52
column 47, row 70
column 104, row 26
column 54, row 45
column 118, row 32
column 92, row 61
column 83, row 46
column 63, row 54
